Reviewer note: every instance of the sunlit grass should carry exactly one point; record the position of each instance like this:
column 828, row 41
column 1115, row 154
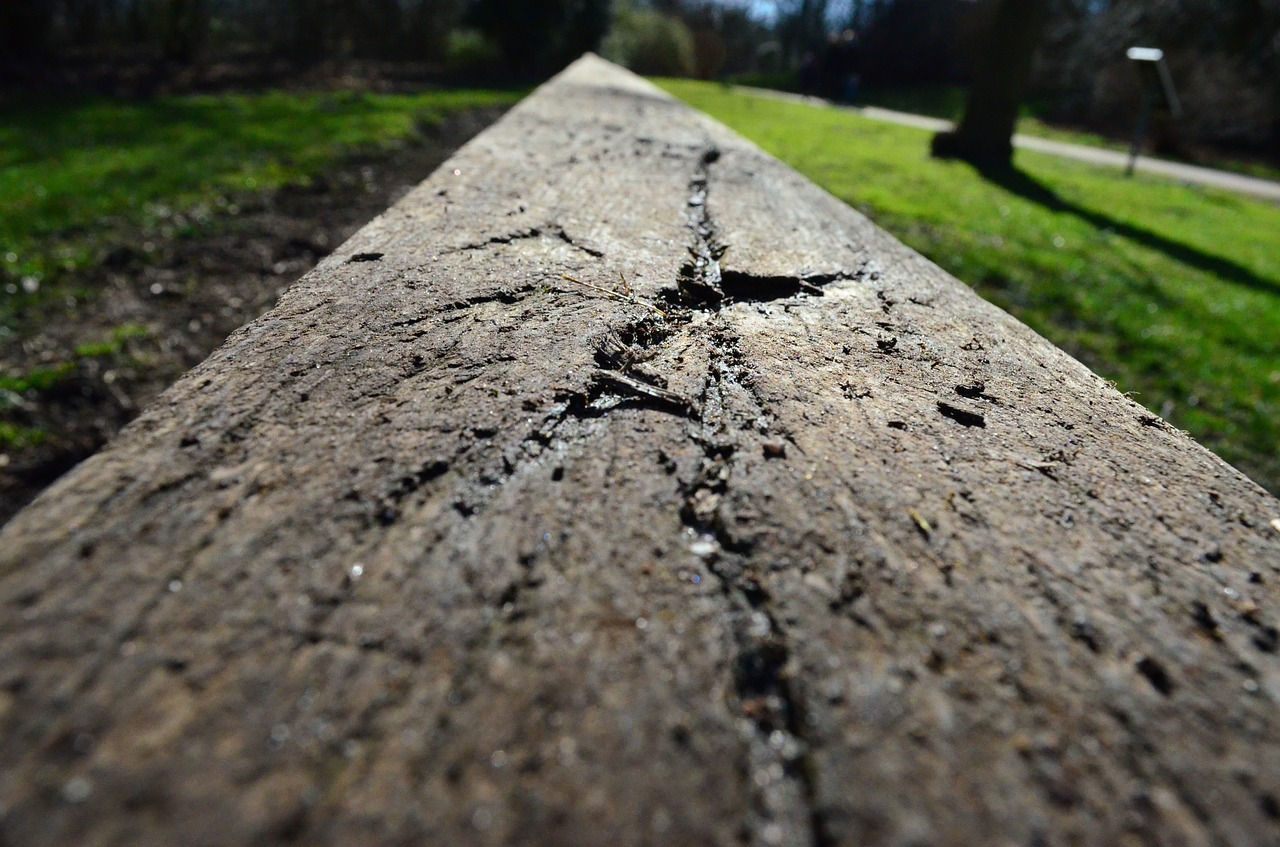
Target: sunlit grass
column 1172, row 291
column 71, row 173
column 947, row 102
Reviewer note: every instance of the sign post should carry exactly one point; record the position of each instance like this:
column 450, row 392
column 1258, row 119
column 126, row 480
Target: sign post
column 1157, row 92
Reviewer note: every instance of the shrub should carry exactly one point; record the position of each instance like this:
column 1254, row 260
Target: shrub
column 469, row 52
column 651, row 43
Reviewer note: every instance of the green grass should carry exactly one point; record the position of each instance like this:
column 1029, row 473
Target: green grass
column 14, row 437
column 71, row 171
column 1171, row 291
column 947, row 102
column 34, row 381
column 43, row 380
column 113, row 345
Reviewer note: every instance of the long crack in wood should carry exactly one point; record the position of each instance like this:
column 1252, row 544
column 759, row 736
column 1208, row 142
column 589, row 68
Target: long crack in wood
column 705, row 285
column 781, row 768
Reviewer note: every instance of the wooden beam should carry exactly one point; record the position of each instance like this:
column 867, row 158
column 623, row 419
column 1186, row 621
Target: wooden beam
column 791, row 539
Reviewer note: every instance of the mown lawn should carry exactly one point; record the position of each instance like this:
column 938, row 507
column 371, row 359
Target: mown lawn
column 72, row 174
column 1171, row 291
column 947, row 102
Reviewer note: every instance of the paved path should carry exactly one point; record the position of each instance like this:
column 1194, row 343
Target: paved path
column 1225, row 180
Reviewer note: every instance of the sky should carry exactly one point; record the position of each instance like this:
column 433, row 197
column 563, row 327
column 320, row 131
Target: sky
column 838, row 11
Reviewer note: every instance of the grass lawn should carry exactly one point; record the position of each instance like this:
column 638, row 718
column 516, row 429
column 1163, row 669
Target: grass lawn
column 72, row 174
column 1171, row 291
column 947, row 102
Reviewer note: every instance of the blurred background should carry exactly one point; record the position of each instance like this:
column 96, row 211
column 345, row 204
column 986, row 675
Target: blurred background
column 1224, row 54
column 169, row 167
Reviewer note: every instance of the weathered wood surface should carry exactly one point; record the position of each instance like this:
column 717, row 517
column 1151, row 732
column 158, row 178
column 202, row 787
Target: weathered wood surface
column 418, row 557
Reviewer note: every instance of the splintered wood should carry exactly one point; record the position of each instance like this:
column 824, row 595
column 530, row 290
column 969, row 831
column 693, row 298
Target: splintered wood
column 791, row 540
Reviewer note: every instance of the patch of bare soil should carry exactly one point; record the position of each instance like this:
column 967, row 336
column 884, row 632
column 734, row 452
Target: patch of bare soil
column 183, row 296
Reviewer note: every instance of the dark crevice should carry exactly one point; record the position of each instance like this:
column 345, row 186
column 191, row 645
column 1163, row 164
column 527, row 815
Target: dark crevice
column 314, row 633
column 782, row 770
column 704, row 285
column 603, row 393
column 785, row 807
column 506, row 296
column 1086, row 633
column 763, row 673
column 506, row 238
column 1205, row 621
column 741, row 287
column 699, row 283
column 559, row 232
column 514, row 602
column 886, row 303
column 702, row 499
column 1155, row 674
column 553, row 230
column 388, row 506
column 1265, row 638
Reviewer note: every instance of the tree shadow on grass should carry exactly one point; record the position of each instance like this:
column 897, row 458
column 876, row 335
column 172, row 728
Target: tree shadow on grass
column 1017, row 181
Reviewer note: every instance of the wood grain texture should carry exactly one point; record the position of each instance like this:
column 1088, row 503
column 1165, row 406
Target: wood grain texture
column 796, row 542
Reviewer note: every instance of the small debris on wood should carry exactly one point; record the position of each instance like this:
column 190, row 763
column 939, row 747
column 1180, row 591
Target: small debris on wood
column 1045, row 468
column 1153, row 420
column 624, row 296
column 610, row 349
column 975, row 390
column 854, row 392
column 920, row 521
column 644, row 389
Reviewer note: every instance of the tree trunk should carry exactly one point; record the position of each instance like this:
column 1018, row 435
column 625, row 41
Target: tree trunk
column 792, row 540
column 185, row 29
column 1001, row 74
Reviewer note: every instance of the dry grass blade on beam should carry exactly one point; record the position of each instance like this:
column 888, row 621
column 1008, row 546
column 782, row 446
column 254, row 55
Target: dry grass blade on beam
column 625, row 296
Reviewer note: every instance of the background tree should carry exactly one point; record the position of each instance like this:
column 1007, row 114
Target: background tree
column 914, row 42
column 802, row 26
column 1224, row 55
column 1001, row 78
column 539, row 38
column 651, row 42
column 428, row 24
column 183, row 28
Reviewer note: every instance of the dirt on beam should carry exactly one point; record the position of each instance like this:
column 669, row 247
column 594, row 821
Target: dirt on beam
column 619, row 486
